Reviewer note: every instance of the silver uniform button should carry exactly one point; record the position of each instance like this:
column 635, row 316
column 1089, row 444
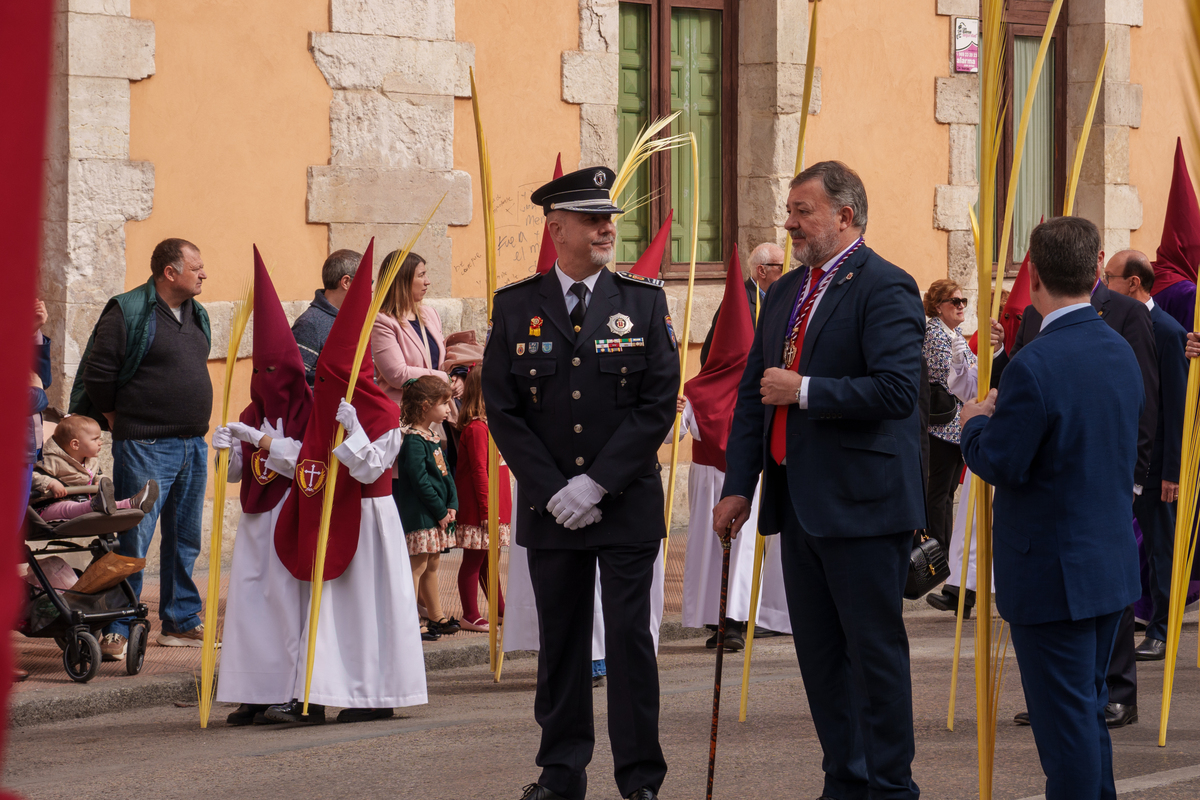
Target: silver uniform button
column 575, row 362
column 532, row 372
column 579, row 461
column 579, row 429
column 575, row 394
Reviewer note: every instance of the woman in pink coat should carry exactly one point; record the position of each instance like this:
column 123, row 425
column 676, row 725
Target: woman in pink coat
column 407, row 343
column 406, row 340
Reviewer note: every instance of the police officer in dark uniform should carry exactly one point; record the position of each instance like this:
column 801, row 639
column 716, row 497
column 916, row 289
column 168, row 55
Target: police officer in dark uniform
column 580, row 375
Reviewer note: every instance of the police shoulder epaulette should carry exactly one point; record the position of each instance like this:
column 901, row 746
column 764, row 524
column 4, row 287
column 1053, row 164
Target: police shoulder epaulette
column 635, row 278
column 518, row 283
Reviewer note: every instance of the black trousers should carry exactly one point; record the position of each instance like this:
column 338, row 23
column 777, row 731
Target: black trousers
column 845, row 600
column 945, row 467
column 1122, row 667
column 564, row 589
column 1157, row 521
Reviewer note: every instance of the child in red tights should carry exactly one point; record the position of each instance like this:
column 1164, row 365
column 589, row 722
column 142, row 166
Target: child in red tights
column 471, row 481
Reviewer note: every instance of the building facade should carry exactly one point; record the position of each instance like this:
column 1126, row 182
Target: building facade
column 309, row 125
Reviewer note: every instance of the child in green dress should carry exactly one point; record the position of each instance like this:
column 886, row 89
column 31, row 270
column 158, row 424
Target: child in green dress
column 425, row 495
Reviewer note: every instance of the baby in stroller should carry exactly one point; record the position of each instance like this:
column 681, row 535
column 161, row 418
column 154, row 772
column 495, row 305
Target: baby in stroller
column 69, row 458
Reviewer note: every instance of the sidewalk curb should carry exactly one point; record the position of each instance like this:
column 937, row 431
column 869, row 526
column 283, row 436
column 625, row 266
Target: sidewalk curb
column 76, row 701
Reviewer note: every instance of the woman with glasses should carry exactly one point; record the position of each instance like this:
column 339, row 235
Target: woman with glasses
column 952, row 371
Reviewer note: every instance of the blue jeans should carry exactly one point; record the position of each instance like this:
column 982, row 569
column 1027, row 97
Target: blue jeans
column 180, row 467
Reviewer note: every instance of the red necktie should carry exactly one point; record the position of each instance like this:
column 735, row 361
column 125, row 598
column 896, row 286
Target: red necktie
column 779, row 423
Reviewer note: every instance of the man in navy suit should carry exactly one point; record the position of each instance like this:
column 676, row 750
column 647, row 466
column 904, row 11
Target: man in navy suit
column 827, row 411
column 1060, row 444
column 1132, row 321
column 1130, row 273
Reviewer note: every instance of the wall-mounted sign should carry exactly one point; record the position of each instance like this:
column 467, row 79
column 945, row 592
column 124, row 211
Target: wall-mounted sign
column 966, row 44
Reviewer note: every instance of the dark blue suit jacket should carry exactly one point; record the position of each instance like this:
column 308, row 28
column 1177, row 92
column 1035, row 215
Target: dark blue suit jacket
column 1060, row 451
column 854, row 457
column 1169, row 339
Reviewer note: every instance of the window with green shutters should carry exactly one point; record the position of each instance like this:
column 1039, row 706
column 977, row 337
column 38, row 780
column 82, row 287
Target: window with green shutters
column 676, row 56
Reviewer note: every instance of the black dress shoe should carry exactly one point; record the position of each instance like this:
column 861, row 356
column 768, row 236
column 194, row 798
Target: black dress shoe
column 1021, row 718
column 294, row 712
column 244, row 715
column 948, row 601
column 364, row 714
column 642, row 794
column 1150, row 650
column 535, row 792
column 1117, row 715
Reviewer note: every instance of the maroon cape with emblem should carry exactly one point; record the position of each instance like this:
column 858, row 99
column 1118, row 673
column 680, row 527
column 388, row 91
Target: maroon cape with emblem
column 300, row 519
column 277, row 391
column 713, row 393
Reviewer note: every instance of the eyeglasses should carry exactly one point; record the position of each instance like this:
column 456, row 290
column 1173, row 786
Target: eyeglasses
column 957, row 302
column 1108, row 278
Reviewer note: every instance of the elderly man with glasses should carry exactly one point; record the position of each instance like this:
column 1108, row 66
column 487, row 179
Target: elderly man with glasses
column 764, row 267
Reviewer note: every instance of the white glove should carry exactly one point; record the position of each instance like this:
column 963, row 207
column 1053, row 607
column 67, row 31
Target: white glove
column 274, row 431
column 348, row 417
column 958, row 351
column 245, row 433
column 222, row 438
column 574, row 502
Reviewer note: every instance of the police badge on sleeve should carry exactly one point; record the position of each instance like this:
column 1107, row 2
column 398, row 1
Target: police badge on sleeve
column 671, row 333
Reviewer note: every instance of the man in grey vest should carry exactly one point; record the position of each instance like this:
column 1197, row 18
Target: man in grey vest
column 144, row 375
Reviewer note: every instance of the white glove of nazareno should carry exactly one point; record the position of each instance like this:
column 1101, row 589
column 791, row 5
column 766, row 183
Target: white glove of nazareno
column 348, row 417
column 222, row 438
column 245, row 433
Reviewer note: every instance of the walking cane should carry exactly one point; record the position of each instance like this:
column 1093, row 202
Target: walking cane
column 712, row 746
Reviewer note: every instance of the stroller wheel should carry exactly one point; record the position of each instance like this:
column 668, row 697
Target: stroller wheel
column 81, row 659
column 135, row 653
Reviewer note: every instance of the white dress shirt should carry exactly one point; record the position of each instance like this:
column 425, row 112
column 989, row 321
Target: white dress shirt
column 803, row 401
column 1150, row 303
column 567, row 283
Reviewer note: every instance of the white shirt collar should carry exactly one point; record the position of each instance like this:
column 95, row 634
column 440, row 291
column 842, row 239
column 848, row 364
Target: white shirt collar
column 1150, row 303
column 1062, row 312
column 566, row 283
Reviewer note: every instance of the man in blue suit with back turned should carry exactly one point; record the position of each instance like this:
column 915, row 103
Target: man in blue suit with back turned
column 1059, row 443
column 827, row 411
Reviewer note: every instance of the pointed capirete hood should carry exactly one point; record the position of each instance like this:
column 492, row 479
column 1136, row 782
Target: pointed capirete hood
column 1014, row 308
column 713, row 393
column 1179, row 250
column 547, row 253
column 278, row 391
column 650, row 262
column 299, row 520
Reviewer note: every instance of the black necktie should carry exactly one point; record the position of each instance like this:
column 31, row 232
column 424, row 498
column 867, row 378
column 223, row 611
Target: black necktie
column 580, row 309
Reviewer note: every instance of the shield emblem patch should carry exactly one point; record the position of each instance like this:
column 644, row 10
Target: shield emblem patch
column 310, row 475
column 258, row 465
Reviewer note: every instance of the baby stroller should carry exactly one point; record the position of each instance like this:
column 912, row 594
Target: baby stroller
column 72, row 618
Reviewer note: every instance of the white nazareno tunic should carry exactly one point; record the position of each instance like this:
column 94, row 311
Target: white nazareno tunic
column 702, row 565
column 265, row 610
column 368, row 652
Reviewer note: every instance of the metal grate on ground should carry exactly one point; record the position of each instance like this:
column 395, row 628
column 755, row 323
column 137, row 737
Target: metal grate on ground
column 43, row 660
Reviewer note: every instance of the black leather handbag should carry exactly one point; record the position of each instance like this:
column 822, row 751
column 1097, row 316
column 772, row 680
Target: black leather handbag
column 927, row 567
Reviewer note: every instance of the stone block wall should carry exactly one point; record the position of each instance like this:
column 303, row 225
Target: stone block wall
column 395, row 69
column 92, row 187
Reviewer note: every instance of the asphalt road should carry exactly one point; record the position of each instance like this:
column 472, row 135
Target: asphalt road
column 477, row 739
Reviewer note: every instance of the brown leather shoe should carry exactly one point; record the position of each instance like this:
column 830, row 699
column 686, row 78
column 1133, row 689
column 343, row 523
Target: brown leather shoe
column 192, row 638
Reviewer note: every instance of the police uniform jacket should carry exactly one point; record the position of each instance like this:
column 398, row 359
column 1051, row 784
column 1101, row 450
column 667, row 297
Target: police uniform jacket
column 599, row 402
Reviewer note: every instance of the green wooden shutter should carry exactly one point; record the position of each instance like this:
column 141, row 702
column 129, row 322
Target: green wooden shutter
column 1035, row 182
column 633, row 104
column 696, row 91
